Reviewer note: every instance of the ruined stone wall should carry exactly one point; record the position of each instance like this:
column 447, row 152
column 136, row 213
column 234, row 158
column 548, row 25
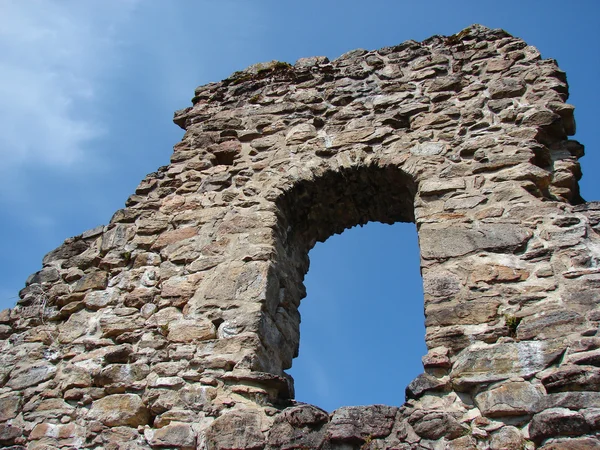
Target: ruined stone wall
column 173, row 325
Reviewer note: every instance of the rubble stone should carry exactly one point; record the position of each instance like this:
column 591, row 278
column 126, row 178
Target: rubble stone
column 120, row 410
column 173, row 326
column 556, row 422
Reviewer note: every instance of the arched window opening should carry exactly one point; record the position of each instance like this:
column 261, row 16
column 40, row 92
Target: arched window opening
column 312, row 209
column 362, row 329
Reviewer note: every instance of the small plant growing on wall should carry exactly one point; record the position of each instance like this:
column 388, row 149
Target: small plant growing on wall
column 512, row 322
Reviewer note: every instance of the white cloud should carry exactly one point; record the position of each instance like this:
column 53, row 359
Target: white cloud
column 52, row 56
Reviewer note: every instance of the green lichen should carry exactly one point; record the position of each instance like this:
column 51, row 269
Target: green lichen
column 254, row 99
column 367, row 443
column 241, row 77
column 457, row 38
column 280, row 66
column 512, row 322
column 261, row 71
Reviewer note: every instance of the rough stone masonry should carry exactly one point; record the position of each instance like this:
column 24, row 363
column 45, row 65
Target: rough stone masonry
column 172, row 326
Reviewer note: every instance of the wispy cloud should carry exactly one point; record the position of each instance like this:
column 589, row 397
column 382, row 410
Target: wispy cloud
column 52, row 55
column 319, row 381
column 314, row 380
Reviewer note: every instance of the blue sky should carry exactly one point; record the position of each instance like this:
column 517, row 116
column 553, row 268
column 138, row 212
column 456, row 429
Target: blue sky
column 88, row 90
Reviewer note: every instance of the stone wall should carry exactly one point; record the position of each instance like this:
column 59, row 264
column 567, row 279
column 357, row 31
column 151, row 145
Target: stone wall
column 172, row 326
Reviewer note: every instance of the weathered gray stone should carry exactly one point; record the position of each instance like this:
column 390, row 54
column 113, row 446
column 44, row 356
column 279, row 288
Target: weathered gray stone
column 496, row 273
column 124, row 375
column 571, row 400
column 100, row 299
column 487, row 363
column 514, row 398
column 549, row 324
column 120, row 410
column 9, row 407
column 170, row 237
column 169, row 382
column 573, row 444
column 298, row 427
column 428, row 149
column 448, row 83
column 590, row 358
column 93, row 280
column 462, row 443
column 429, row 187
column 71, row 433
column 422, row 384
column 46, row 275
column 191, row 330
column 592, row 417
column 353, row 137
column 113, row 326
column 304, row 415
column 467, row 202
column 434, row 425
column 461, row 313
column 301, row 133
column 73, row 376
column 506, row 88
column 357, row 423
column 236, row 430
column 507, row 438
column 27, row 375
column 68, row 249
column 116, row 237
column 118, row 353
column 179, row 435
column 451, row 241
column 572, row 378
column 8, row 434
column 556, row 422
column 437, row 358
column 441, row 284
column 312, row 61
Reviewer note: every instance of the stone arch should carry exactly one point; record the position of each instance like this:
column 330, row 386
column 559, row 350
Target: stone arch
column 174, row 322
column 313, row 209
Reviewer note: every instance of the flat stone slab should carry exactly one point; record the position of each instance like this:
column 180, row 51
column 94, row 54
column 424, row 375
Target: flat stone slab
column 440, row 242
column 488, row 363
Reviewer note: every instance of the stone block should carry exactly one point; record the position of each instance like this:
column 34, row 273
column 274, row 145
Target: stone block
column 27, row 375
column 441, row 242
column 120, row 410
column 186, row 330
column 94, row 280
column 9, row 407
column 357, row 423
column 514, row 398
column 488, row 363
column 435, row 424
column 179, row 435
column 240, row 430
column 556, row 422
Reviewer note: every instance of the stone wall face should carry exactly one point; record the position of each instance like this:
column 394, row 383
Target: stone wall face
column 172, row 326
